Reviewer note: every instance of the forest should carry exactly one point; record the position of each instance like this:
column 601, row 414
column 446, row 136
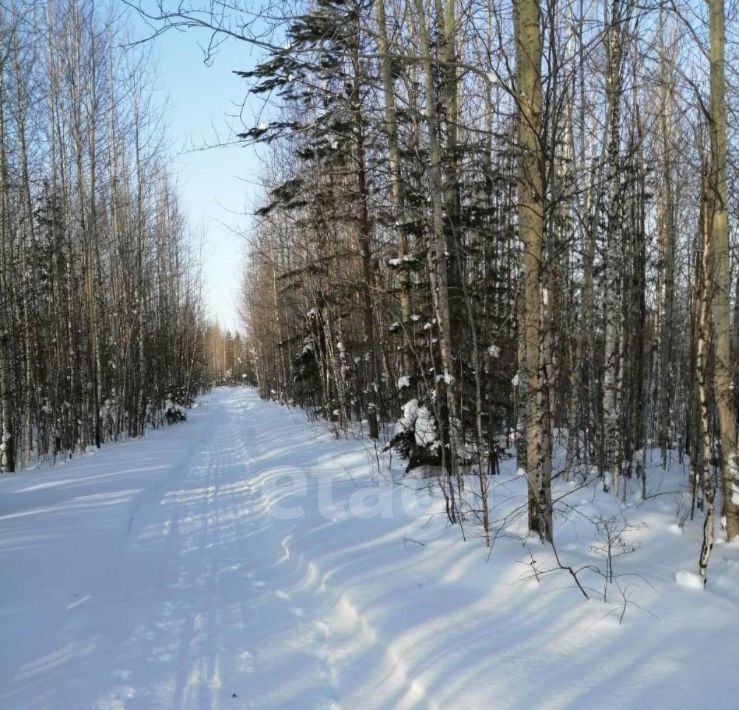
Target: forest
column 484, row 227
column 507, row 224
column 103, row 331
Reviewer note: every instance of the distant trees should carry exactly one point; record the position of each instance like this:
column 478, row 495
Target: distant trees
column 228, row 359
column 101, row 319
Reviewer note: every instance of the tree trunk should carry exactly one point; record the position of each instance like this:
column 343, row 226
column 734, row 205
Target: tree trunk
column 611, row 434
column 721, row 276
column 701, row 369
column 531, row 227
column 439, row 247
column 397, row 188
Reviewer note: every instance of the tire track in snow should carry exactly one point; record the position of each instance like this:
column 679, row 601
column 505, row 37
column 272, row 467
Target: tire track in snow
column 358, row 624
column 327, row 600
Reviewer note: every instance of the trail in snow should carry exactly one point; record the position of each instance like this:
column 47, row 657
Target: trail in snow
column 150, row 576
column 246, row 560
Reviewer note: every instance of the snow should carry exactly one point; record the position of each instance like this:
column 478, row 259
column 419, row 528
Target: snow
column 691, row 580
column 247, row 559
column 173, row 407
column 403, row 382
column 607, row 480
column 734, row 487
column 420, row 420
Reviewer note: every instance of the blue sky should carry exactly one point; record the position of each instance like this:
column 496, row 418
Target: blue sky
column 216, row 186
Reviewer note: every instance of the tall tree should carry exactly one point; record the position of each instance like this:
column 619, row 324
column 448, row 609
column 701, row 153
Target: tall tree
column 721, row 274
column 531, row 207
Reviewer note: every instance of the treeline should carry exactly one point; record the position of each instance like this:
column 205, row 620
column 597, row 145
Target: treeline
column 101, row 319
column 229, row 359
column 510, row 218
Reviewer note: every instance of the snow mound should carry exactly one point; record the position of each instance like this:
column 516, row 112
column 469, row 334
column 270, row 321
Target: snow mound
column 689, row 579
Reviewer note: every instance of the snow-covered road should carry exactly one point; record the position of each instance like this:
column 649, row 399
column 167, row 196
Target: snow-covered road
column 152, row 575
column 245, row 559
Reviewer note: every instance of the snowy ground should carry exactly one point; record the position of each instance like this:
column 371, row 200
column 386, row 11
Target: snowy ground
column 245, row 559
